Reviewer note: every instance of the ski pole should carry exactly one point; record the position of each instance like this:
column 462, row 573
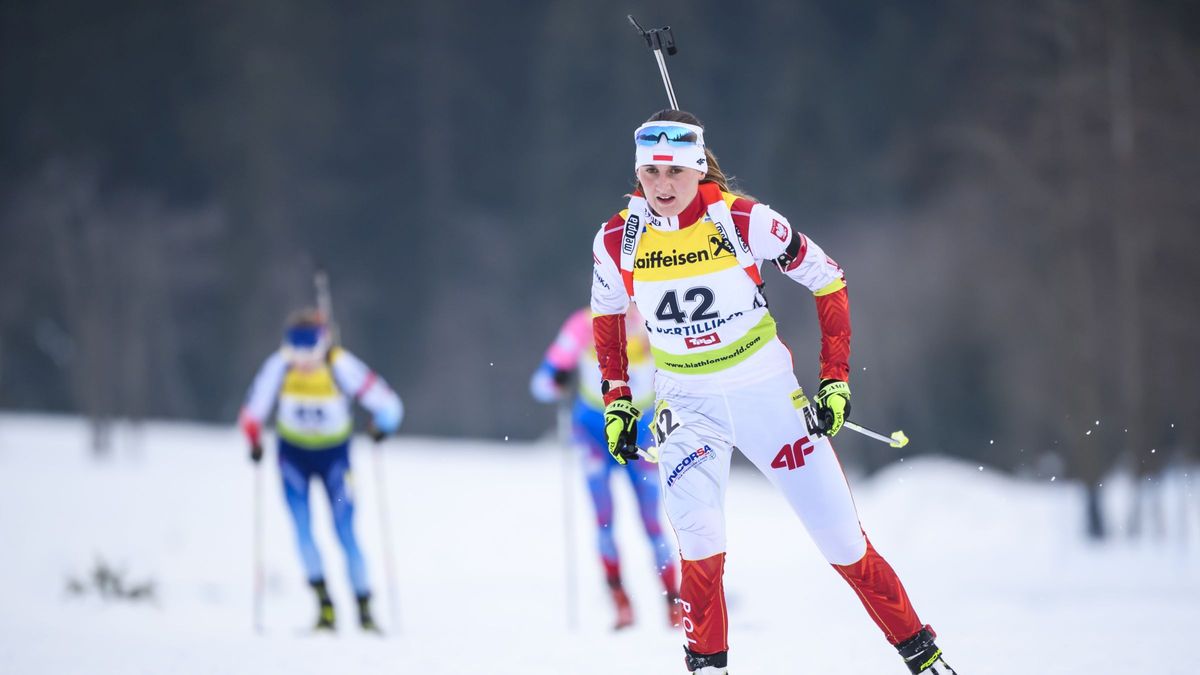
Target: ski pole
column 389, row 559
column 659, row 39
column 258, row 550
column 897, row 439
column 568, row 509
column 325, row 302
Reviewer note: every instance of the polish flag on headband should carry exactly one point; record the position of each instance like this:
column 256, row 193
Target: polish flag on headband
column 665, row 153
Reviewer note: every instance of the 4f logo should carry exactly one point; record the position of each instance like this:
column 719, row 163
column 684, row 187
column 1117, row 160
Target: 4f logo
column 791, row 456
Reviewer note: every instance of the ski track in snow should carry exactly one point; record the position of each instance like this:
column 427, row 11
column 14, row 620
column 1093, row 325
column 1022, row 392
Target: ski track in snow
column 997, row 565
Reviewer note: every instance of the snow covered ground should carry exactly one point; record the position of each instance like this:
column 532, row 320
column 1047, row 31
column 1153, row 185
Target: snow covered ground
column 996, row 565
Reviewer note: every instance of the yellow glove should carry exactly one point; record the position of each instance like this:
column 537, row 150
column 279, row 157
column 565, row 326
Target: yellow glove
column 620, row 429
column 833, row 406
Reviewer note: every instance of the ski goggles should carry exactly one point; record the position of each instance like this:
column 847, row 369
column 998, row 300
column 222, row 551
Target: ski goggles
column 675, row 134
column 303, row 337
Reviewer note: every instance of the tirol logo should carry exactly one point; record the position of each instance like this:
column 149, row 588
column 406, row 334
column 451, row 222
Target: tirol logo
column 631, row 229
column 696, row 457
column 702, row 341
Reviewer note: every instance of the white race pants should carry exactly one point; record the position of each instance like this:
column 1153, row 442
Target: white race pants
column 702, row 429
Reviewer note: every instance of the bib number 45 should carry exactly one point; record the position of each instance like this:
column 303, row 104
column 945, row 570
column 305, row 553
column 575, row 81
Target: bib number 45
column 669, row 310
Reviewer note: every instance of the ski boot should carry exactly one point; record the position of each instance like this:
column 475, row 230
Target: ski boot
column 365, row 620
column 624, row 608
column 674, row 610
column 922, row 656
column 325, row 616
column 706, row 664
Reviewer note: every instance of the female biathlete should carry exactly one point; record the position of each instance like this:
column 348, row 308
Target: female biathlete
column 314, row 384
column 571, row 357
column 687, row 250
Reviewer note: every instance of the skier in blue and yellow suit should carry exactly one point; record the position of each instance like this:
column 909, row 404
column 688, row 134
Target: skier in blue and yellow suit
column 312, row 384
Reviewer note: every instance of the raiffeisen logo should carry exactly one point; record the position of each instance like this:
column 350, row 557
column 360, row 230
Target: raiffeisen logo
column 655, row 259
column 698, row 455
column 717, row 248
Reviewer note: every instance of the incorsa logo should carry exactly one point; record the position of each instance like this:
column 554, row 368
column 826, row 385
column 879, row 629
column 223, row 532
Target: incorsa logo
column 697, row 456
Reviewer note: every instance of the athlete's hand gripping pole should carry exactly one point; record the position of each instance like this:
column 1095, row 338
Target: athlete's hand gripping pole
column 833, row 405
column 620, row 429
column 818, row 426
column 659, row 39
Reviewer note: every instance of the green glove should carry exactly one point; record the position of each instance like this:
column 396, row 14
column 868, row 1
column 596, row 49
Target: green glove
column 833, row 406
column 620, row 429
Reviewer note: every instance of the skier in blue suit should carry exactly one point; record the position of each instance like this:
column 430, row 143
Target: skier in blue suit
column 311, row 385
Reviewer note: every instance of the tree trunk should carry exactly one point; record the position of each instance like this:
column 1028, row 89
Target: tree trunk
column 1094, row 512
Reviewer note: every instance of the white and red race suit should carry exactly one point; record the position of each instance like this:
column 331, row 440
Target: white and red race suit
column 724, row 380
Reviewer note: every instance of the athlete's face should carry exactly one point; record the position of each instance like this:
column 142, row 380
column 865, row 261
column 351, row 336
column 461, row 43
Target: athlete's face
column 669, row 189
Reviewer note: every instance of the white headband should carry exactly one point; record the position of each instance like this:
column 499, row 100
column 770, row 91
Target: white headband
column 665, row 154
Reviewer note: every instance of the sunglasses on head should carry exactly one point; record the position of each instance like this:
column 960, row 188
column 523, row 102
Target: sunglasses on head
column 674, row 135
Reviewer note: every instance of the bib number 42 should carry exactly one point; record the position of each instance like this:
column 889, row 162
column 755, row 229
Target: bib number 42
column 668, row 308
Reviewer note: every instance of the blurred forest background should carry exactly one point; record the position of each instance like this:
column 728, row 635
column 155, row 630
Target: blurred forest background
column 1011, row 187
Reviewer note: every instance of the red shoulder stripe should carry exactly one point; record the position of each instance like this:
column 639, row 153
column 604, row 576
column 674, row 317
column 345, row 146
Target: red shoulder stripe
column 612, row 238
column 740, row 209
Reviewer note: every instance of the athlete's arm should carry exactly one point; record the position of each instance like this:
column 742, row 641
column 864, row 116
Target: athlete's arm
column 609, row 303
column 771, row 237
column 562, row 357
column 260, row 399
column 357, row 379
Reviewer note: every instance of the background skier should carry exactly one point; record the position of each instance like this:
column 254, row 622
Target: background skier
column 311, row 385
column 570, row 368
